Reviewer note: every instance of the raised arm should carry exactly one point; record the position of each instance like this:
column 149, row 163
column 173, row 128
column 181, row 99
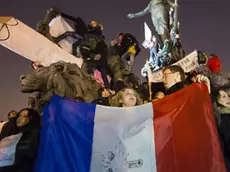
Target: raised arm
column 141, row 13
column 171, row 3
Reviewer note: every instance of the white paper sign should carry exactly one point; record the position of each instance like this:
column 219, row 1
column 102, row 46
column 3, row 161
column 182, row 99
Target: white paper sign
column 59, row 26
column 8, row 149
column 188, row 64
column 148, row 36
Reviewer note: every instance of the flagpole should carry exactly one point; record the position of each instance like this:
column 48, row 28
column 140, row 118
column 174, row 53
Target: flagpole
column 149, row 83
column 150, row 91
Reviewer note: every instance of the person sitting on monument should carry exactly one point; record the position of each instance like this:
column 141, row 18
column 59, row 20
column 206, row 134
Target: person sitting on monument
column 86, row 37
column 114, row 48
column 95, row 28
column 101, row 63
column 180, row 53
column 129, row 50
column 80, row 28
column 154, row 58
column 114, row 62
column 98, row 77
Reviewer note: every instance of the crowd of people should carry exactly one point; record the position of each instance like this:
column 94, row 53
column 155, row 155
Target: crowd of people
column 112, row 68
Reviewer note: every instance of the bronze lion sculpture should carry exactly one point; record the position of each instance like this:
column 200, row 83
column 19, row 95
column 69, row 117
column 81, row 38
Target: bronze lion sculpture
column 60, row 78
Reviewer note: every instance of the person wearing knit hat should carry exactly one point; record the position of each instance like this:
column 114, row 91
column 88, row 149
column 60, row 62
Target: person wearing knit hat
column 214, row 72
column 214, row 64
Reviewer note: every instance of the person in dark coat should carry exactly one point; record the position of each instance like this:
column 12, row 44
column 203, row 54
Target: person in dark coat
column 127, row 40
column 129, row 50
column 10, row 127
column 114, row 49
column 28, row 124
column 222, row 100
column 173, row 78
column 95, row 28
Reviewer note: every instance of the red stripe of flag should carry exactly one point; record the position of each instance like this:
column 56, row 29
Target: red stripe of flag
column 186, row 137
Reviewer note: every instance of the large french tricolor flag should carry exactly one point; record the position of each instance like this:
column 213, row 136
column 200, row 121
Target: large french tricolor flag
column 175, row 134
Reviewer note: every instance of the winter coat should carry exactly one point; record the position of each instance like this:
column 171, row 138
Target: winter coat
column 9, row 128
column 127, row 42
column 217, row 79
column 224, row 131
column 175, row 88
column 114, row 50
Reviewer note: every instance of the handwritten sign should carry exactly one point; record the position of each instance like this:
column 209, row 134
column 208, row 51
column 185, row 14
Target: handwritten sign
column 188, row 64
column 8, row 149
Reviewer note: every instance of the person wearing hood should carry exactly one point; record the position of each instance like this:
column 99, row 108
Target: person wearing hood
column 10, row 127
column 129, row 50
column 223, row 106
column 95, row 28
column 213, row 70
column 28, row 123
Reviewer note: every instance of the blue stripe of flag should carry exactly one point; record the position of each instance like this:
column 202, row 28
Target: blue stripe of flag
column 66, row 136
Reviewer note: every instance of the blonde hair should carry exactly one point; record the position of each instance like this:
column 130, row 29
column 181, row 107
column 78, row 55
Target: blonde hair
column 116, row 99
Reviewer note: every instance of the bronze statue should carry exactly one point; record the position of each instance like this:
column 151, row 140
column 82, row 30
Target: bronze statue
column 164, row 15
column 159, row 10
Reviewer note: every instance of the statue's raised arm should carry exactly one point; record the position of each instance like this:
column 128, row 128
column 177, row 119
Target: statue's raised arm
column 171, row 3
column 159, row 10
column 164, row 15
column 141, row 13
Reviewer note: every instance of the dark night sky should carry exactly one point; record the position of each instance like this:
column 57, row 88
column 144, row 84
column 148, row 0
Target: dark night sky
column 204, row 25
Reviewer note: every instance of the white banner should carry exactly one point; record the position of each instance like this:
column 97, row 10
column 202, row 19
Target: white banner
column 59, row 26
column 8, row 149
column 188, row 64
column 30, row 44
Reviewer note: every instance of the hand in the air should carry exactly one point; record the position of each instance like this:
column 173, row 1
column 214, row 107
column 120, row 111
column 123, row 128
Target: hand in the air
column 130, row 16
column 55, row 11
column 97, row 57
column 205, row 80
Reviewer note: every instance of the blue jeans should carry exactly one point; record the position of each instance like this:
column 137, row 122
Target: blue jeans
column 125, row 64
column 153, row 56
